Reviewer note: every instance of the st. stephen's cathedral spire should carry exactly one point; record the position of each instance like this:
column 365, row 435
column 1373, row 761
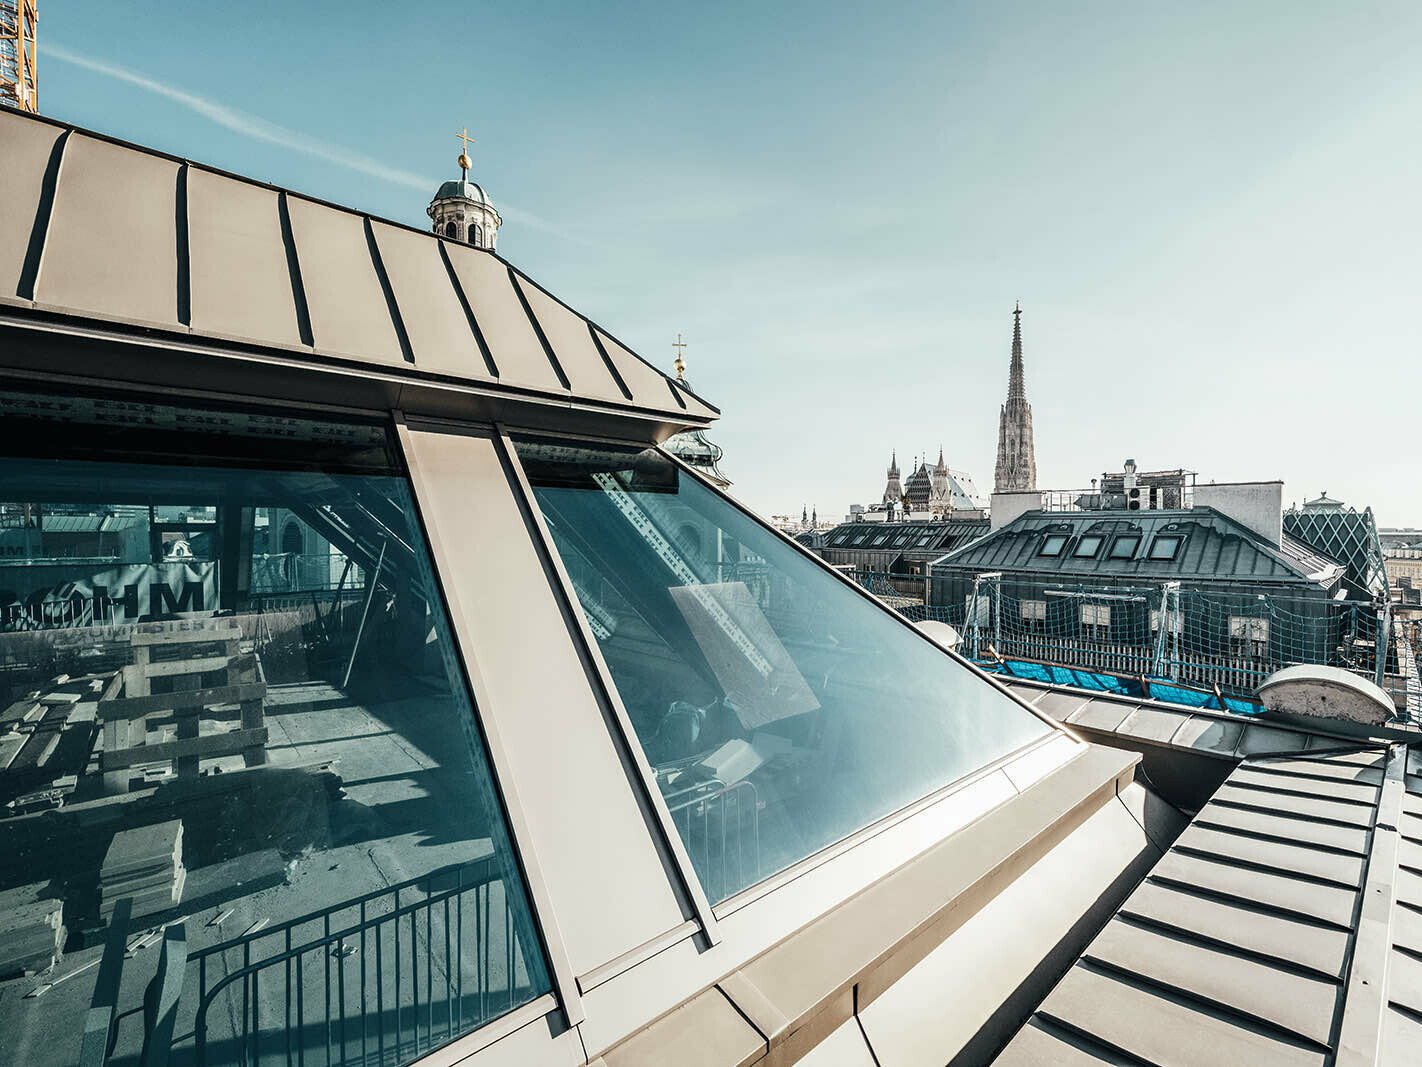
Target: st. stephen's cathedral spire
column 1016, row 458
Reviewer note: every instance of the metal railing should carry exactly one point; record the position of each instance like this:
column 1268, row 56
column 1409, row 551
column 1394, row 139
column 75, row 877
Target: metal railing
column 720, row 826
column 378, row 979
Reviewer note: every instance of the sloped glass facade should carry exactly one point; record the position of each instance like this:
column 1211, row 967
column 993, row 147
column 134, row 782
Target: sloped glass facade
column 239, row 769
column 779, row 709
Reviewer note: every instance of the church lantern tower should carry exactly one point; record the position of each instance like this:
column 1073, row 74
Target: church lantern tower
column 1016, row 457
column 693, row 447
column 462, row 211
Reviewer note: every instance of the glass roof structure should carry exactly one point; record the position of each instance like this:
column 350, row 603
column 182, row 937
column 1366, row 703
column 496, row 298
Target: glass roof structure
column 376, row 687
column 780, row 710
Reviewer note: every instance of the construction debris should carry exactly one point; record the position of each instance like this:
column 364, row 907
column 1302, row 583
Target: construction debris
column 145, row 864
column 31, row 931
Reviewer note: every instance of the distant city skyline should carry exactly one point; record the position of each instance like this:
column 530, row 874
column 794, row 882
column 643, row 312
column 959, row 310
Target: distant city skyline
column 1208, row 214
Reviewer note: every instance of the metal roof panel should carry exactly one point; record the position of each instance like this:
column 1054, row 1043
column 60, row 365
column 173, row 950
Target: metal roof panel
column 97, row 229
column 241, row 280
column 499, row 313
column 349, row 313
column 28, row 148
column 572, row 344
column 112, row 243
column 434, row 319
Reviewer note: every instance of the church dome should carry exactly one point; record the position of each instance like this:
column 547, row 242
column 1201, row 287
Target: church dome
column 463, row 190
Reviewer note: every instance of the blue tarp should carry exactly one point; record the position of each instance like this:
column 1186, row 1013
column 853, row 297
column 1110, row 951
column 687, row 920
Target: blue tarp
column 1162, row 689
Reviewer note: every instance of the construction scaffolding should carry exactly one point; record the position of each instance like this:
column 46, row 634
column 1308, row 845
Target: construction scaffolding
column 18, row 84
column 1169, row 635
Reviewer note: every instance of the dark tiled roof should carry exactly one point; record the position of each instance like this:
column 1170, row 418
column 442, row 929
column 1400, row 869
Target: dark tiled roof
column 917, row 536
column 1214, row 547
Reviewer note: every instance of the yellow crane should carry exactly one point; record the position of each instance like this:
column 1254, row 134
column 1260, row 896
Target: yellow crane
column 18, row 85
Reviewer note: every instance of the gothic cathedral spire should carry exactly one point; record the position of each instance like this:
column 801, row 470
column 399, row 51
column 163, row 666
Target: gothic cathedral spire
column 1016, row 458
column 893, row 491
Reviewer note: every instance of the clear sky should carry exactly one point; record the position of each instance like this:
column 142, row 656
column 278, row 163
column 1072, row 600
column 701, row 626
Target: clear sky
column 1211, row 212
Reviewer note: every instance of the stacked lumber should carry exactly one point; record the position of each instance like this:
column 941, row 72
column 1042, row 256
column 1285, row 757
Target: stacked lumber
column 31, row 931
column 144, row 864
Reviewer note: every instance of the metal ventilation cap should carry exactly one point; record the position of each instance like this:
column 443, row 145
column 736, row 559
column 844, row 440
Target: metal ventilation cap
column 1326, row 693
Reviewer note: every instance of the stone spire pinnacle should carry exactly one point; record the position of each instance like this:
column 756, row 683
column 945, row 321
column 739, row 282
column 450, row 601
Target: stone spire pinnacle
column 1016, row 456
column 1016, row 381
column 893, row 490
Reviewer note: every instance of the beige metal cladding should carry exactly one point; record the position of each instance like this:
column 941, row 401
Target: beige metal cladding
column 112, row 243
column 438, row 328
column 25, row 152
column 606, row 884
column 502, row 321
column 1068, row 824
column 101, row 230
column 641, row 379
column 349, row 313
column 1249, row 942
column 240, row 282
column 567, row 334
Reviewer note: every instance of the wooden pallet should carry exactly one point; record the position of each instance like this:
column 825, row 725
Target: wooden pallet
column 129, row 705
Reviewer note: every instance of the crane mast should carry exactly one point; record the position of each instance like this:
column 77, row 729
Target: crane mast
column 18, row 85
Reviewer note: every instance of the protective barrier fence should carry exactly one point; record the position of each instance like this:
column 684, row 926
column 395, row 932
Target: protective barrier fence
column 1169, row 634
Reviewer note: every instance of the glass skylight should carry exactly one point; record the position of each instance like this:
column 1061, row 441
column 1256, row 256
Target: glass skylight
column 1053, row 545
column 1125, row 547
column 1165, row 547
column 780, row 709
column 1088, row 546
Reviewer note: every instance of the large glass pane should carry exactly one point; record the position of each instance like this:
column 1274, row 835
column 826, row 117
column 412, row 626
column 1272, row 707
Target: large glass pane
column 239, row 771
column 779, row 709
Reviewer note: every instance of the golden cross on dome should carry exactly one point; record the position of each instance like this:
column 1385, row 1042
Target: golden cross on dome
column 680, row 365
column 464, row 137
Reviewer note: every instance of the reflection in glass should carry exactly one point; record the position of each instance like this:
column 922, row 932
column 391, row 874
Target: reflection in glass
column 238, row 769
column 779, row 709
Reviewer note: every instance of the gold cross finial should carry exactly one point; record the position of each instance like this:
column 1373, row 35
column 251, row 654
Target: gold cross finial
column 463, row 136
column 680, row 365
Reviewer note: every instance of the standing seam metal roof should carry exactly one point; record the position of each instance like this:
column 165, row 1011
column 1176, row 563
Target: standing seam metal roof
column 1215, row 546
column 1244, row 943
column 103, row 230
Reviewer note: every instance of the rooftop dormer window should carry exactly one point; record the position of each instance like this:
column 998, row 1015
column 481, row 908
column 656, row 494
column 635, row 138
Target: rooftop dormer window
column 1088, row 546
column 1052, row 545
column 1165, row 548
column 1124, row 547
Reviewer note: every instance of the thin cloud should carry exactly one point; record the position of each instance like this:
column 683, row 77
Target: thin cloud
column 259, row 129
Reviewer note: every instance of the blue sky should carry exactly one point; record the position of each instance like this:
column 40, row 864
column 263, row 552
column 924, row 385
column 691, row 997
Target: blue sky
column 1209, row 211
